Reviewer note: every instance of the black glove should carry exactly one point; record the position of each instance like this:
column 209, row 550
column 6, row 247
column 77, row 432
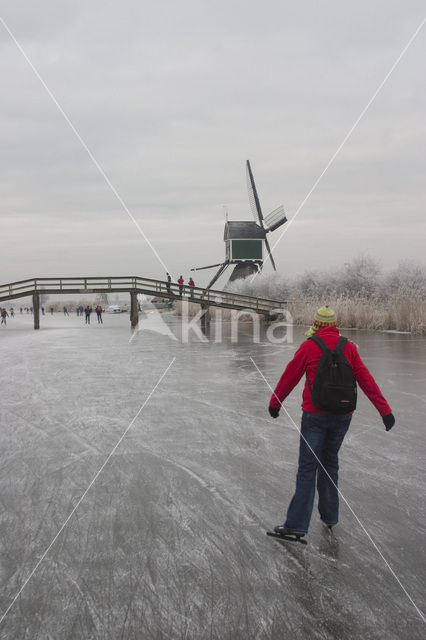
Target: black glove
column 388, row 421
column 274, row 412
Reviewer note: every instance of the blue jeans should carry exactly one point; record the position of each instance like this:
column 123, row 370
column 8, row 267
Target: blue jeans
column 322, row 434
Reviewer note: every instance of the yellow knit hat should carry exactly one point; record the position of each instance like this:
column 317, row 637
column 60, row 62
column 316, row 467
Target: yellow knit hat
column 324, row 317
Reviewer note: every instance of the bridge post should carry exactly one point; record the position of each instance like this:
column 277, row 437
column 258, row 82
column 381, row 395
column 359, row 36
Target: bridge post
column 205, row 318
column 134, row 316
column 36, row 310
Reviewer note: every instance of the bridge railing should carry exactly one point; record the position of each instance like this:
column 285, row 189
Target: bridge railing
column 70, row 285
column 22, row 287
column 251, row 302
column 148, row 286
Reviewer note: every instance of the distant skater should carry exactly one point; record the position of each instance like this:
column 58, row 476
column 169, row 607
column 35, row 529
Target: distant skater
column 180, row 283
column 329, row 398
column 4, row 315
column 87, row 312
column 42, row 311
column 51, row 311
column 99, row 314
column 66, row 311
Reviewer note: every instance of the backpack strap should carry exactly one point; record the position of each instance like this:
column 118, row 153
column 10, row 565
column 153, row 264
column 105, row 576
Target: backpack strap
column 341, row 344
column 324, row 346
column 320, row 342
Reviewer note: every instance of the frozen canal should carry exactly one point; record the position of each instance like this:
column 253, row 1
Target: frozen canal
column 169, row 539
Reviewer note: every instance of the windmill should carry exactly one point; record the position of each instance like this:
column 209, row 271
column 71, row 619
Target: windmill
column 244, row 240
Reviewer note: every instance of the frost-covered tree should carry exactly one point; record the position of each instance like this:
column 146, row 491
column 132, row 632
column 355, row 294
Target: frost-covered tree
column 274, row 286
column 315, row 284
column 408, row 278
column 360, row 295
column 360, row 277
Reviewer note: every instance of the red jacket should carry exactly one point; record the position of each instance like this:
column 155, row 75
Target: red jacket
column 305, row 361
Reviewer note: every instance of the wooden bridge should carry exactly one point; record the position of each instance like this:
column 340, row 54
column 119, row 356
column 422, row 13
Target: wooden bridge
column 134, row 285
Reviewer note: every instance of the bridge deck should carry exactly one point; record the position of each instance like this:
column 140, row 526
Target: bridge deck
column 136, row 285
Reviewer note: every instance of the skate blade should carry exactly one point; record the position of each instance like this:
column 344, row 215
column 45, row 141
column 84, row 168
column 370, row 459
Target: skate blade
column 290, row 537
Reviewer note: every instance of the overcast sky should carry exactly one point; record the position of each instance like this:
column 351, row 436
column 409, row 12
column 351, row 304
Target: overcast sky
column 172, row 97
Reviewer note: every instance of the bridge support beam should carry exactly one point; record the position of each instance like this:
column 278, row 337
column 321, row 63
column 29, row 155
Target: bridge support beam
column 36, row 310
column 205, row 318
column 134, row 316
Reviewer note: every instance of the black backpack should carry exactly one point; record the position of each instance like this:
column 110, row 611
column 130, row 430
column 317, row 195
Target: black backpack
column 334, row 387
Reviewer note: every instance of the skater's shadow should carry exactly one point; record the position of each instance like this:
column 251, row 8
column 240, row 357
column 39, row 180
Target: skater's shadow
column 329, row 544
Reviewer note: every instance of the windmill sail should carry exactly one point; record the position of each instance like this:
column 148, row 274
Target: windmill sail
column 253, row 197
column 255, row 206
column 217, row 275
column 268, row 248
column 275, row 219
column 210, row 266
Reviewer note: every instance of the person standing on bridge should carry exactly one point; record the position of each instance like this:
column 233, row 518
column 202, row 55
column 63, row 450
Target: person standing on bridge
column 191, row 287
column 180, row 283
column 323, row 431
column 168, row 283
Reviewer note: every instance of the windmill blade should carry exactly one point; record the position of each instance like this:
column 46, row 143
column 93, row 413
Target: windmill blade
column 210, row 266
column 253, row 197
column 270, row 254
column 217, row 275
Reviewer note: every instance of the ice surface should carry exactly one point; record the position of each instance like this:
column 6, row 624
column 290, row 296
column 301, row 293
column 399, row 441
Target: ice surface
column 170, row 542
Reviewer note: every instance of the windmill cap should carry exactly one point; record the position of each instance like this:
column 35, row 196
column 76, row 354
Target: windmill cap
column 324, row 317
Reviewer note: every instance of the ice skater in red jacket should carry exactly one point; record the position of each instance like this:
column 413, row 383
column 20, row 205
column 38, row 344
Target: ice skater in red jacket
column 321, row 433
